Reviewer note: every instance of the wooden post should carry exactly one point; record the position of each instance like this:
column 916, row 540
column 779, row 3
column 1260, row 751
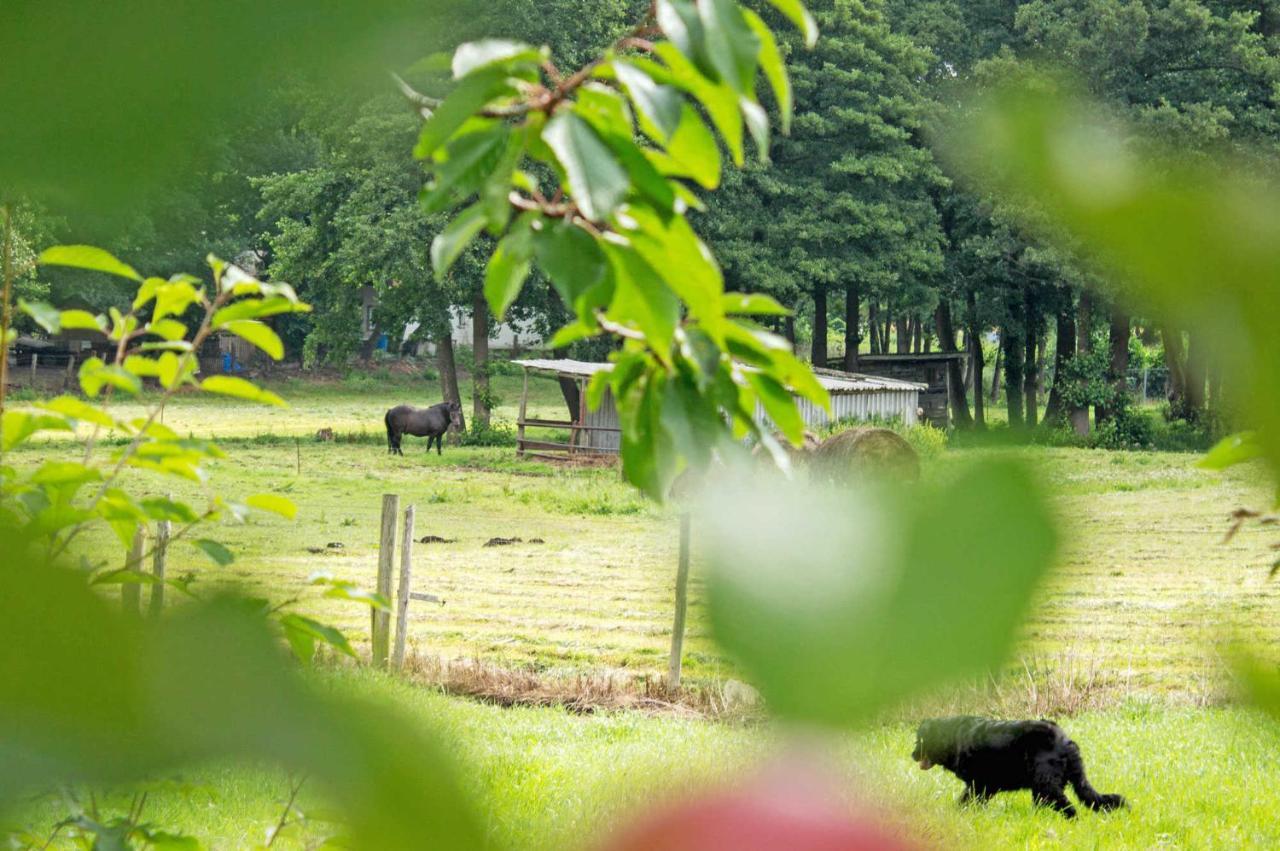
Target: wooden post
column 158, row 559
column 131, row 592
column 402, row 592
column 381, row 637
column 524, row 405
column 35, row 361
column 68, row 380
column 682, row 603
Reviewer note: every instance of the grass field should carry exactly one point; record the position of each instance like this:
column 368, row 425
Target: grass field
column 1124, row 635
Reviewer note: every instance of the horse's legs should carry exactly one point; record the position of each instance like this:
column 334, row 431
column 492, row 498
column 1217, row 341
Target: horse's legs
column 439, row 444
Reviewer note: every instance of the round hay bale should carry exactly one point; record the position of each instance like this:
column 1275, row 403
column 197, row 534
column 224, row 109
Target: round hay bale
column 859, row 452
column 797, row 453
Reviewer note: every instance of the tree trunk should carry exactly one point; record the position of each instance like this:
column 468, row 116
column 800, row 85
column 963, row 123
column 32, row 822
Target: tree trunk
column 873, row 326
column 789, row 330
column 1013, row 362
column 976, row 361
column 1062, row 352
column 1030, row 371
column 903, row 327
column 886, row 330
column 1118, row 362
column 818, row 348
column 1176, row 386
column 852, row 339
column 569, row 388
column 917, row 335
column 1197, row 373
column 955, row 377
column 1042, row 352
column 995, row 370
column 448, row 367
column 480, row 348
column 1084, row 344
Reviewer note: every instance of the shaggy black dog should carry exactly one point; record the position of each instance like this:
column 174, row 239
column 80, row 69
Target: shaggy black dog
column 1003, row 756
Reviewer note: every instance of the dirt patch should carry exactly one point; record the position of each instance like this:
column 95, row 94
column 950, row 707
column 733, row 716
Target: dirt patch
column 583, row 693
column 436, row 539
column 502, row 542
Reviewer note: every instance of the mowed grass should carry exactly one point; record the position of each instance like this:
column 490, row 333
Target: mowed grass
column 1144, row 595
column 545, row 779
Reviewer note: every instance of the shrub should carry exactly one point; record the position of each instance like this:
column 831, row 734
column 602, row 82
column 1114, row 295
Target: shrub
column 494, row 434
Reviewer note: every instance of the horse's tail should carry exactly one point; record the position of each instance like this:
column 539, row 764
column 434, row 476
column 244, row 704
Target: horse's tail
column 391, row 439
column 1090, row 797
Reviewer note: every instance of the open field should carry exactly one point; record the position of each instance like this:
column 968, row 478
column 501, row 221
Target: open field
column 1121, row 642
column 1144, row 589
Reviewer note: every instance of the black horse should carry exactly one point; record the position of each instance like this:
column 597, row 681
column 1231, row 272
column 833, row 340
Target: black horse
column 430, row 423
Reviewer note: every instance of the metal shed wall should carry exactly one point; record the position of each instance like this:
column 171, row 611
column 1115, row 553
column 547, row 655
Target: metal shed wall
column 900, row 405
column 606, row 416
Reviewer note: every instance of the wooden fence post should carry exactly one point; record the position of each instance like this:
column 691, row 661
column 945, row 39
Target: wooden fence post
column 402, row 592
column 35, row 362
column 381, row 638
column 131, row 592
column 158, row 559
column 682, row 603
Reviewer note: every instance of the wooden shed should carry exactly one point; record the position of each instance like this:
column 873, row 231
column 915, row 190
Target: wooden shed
column 930, row 369
column 853, row 397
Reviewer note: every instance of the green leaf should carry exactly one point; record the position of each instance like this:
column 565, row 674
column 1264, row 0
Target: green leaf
column 796, row 12
column 295, row 624
column 757, row 121
column 173, row 299
column 571, row 258
column 94, row 375
column 596, row 180
column 124, row 576
column 82, row 319
column 1231, row 450
column 719, row 99
column 475, row 55
column 572, row 333
column 472, row 93
column 449, row 244
column 899, row 593
column 65, row 473
column 774, row 67
column 609, row 119
column 642, row 300
column 254, row 308
column 680, row 22
column 258, row 334
column 685, row 263
column 87, row 257
column 17, row 426
column 228, row 385
column 693, row 151
column 220, row 555
column 46, row 315
column 730, row 44
column 163, row 508
column 462, row 166
column 509, row 266
column 273, row 503
column 170, row 329
column 79, row 410
column 779, row 404
column 659, row 106
column 753, row 303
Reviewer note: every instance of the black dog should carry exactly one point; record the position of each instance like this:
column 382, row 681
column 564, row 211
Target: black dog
column 1002, row 756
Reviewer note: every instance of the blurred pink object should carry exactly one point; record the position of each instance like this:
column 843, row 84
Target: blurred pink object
column 788, row 808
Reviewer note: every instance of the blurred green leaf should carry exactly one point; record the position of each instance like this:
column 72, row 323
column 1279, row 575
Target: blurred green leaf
column 454, row 239
column 571, row 258
column 169, row 329
column 81, row 319
column 719, row 99
column 509, row 266
column 659, row 106
column 95, row 375
column 79, row 410
column 796, row 12
column 473, row 92
column 774, row 67
column 596, row 180
column 273, row 503
column 88, row 257
column 46, row 315
column 893, row 594
column 17, row 426
column 1231, row 450
column 253, row 308
column 220, row 555
column 475, row 55
column 258, row 334
column 228, row 385
column 753, row 304
column 731, row 45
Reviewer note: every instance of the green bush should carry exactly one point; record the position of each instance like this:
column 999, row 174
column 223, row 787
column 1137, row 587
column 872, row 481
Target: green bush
column 927, row 440
column 494, row 434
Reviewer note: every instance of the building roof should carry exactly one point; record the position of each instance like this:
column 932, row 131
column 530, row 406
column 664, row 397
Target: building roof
column 833, row 380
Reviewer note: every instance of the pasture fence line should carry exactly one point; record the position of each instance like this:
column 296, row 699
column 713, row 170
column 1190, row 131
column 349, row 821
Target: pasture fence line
column 380, row 638
column 158, row 558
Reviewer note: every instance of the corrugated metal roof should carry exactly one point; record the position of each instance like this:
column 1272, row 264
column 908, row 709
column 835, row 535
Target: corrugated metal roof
column 833, row 380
